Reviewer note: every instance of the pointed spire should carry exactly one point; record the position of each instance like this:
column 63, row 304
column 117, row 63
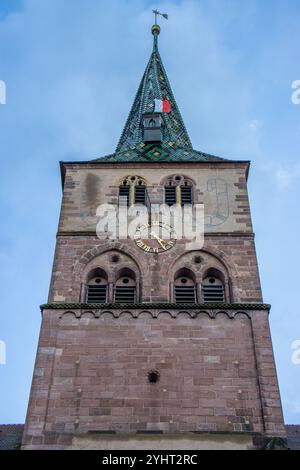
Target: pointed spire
column 154, row 85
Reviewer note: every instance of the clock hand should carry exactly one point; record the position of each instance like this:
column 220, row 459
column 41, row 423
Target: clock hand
column 160, row 241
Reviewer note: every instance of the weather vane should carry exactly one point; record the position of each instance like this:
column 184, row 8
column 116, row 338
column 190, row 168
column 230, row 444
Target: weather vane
column 158, row 13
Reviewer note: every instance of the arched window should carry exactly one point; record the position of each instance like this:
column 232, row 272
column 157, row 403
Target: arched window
column 178, row 190
column 185, row 287
column 133, row 188
column 125, row 289
column 213, row 287
column 96, row 292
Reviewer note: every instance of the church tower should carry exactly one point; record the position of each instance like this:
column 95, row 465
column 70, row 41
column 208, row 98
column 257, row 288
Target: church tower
column 150, row 343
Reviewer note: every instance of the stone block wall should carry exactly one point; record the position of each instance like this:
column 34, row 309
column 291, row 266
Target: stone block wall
column 216, row 374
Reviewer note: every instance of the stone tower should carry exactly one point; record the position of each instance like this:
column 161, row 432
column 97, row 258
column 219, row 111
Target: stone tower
column 146, row 343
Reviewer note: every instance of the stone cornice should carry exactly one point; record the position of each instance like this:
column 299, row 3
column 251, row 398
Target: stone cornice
column 156, row 310
column 92, row 233
column 155, row 306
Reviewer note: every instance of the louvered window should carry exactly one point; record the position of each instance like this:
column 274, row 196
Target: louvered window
column 185, row 294
column 125, row 295
column 186, row 195
column 213, row 291
column 96, row 294
column 125, row 192
column 170, row 195
column 185, row 290
column 140, row 195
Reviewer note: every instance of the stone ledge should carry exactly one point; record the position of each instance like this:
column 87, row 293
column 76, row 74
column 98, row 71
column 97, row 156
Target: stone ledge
column 155, row 306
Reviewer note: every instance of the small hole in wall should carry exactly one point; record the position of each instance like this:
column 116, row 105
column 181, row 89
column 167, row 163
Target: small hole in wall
column 153, row 377
column 197, row 259
column 115, row 259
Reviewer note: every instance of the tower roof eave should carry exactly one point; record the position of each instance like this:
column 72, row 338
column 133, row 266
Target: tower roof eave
column 110, row 162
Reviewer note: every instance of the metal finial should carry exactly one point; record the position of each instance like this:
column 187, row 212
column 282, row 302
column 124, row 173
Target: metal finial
column 156, row 28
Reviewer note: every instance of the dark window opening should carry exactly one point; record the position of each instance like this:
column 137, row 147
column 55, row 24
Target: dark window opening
column 153, row 377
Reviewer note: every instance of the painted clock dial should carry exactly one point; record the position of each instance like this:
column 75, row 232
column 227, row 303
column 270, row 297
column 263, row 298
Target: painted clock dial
column 157, row 237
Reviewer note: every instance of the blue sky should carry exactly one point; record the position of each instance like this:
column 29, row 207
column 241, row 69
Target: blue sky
column 72, row 68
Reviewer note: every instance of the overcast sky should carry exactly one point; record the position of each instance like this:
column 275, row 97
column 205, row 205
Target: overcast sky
column 72, row 68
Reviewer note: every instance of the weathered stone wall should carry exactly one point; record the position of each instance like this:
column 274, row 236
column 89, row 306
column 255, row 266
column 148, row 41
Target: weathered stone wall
column 216, row 374
column 222, row 188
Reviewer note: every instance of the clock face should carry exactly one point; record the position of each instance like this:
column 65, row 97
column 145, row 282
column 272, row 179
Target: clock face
column 155, row 238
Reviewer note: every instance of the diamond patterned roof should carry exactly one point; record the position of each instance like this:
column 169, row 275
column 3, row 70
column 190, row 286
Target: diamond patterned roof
column 166, row 152
column 154, row 85
column 176, row 145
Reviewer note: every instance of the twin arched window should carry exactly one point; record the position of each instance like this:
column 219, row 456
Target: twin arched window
column 121, row 288
column 178, row 190
column 122, row 291
column 188, row 290
column 133, row 190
